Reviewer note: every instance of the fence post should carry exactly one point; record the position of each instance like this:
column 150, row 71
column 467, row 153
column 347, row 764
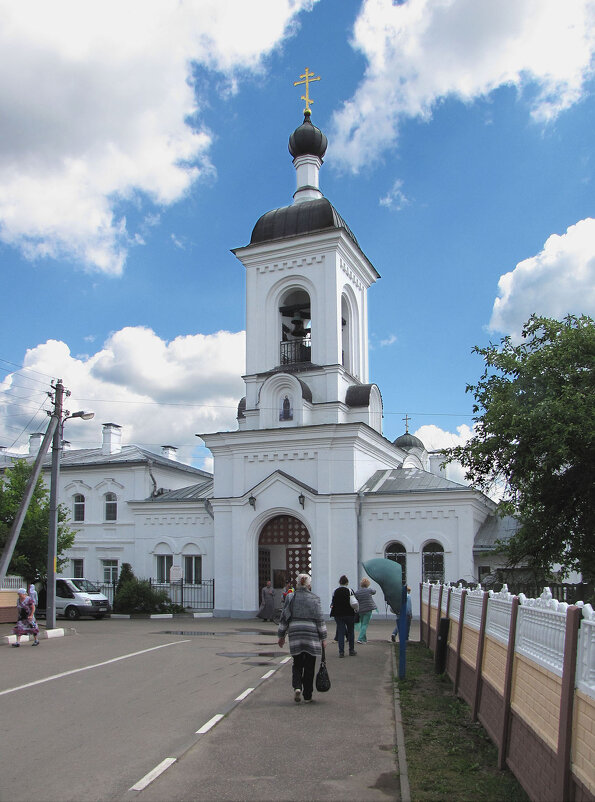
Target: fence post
column 429, row 618
column 438, row 614
column 459, row 641
column 479, row 661
column 573, row 615
column 503, row 743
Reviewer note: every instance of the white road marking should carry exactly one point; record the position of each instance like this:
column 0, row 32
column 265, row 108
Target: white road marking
column 152, row 775
column 87, row 668
column 268, row 674
column 243, row 695
column 285, row 660
column 211, row 723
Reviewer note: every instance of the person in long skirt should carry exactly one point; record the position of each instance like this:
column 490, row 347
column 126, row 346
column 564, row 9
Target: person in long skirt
column 267, row 602
column 302, row 620
column 26, row 624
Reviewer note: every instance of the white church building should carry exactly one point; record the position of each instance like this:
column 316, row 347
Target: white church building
column 306, row 482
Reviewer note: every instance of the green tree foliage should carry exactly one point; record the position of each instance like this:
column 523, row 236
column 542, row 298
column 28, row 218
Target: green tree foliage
column 126, row 574
column 29, row 559
column 534, row 436
column 137, row 596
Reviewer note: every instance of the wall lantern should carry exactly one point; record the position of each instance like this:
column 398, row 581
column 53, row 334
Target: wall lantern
column 302, row 499
column 252, row 502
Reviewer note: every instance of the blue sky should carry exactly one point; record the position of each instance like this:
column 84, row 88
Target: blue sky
column 141, row 142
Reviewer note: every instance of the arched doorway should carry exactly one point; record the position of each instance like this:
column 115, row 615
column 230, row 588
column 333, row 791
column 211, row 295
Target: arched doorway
column 283, row 551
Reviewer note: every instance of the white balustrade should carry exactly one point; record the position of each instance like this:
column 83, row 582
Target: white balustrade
column 455, row 603
column 499, row 614
column 585, row 664
column 541, row 630
column 473, row 608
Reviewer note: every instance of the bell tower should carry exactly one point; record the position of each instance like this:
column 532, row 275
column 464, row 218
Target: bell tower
column 306, row 308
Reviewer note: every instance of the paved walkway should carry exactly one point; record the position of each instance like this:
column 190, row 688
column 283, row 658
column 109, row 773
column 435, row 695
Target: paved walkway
column 341, row 747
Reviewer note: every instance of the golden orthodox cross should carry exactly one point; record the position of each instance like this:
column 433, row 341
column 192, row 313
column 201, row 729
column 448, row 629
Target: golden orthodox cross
column 406, row 419
column 307, row 78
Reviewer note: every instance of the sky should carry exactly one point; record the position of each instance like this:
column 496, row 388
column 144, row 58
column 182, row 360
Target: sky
column 140, row 142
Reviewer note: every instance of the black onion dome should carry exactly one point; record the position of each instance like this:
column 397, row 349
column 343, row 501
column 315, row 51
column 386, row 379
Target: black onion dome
column 307, row 140
column 408, row 441
column 300, row 218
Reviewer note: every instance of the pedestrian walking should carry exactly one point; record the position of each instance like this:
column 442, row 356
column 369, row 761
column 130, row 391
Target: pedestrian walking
column 408, row 613
column 26, row 624
column 304, row 625
column 344, row 605
column 367, row 605
column 33, row 594
column 267, row 602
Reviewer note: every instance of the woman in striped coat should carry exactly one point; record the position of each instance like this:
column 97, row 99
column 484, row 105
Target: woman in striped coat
column 302, row 620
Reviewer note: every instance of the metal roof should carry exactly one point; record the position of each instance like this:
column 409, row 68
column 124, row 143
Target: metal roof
column 495, row 527
column 196, row 492
column 299, row 218
column 91, row 457
column 408, row 480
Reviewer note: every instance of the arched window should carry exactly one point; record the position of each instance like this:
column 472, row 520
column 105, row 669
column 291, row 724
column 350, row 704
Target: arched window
column 433, row 563
column 396, row 551
column 111, row 507
column 79, row 507
column 296, row 327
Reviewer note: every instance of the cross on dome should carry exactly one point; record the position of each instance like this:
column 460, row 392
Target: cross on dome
column 307, row 78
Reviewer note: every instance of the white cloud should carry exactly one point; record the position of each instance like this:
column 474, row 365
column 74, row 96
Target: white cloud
column 395, row 198
column 559, row 280
column 390, row 340
column 421, row 52
column 98, row 107
column 158, row 391
column 434, row 439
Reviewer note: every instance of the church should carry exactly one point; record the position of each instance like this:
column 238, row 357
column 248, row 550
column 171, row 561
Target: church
column 307, row 482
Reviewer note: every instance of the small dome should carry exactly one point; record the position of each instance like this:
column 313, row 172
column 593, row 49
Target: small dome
column 407, row 441
column 307, row 140
column 300, row 218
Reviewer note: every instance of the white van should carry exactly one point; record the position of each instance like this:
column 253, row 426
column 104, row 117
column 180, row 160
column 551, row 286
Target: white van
column 75, row 597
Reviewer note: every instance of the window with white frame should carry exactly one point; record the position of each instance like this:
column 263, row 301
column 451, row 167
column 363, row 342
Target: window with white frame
column 164, row 563
column 110, row 571
column 79, row 508
column 192, row 569
column 111, row 507
column 78, row 568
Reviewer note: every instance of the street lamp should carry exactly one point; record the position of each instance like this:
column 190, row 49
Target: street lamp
column 50, row 608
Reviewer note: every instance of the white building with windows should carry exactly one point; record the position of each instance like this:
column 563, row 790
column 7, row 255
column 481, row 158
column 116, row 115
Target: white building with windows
column 307, row 481
column 107, row 491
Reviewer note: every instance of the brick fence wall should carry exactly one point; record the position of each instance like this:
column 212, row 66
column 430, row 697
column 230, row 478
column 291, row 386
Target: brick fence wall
column 526, row 667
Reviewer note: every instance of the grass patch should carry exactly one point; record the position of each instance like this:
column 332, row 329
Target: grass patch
column 448, row 755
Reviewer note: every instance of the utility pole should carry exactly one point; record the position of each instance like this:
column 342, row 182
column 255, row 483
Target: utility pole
column 50, row 607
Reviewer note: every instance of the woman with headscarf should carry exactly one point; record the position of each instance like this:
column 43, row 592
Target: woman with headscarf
column 26, row 624
column 302, row 620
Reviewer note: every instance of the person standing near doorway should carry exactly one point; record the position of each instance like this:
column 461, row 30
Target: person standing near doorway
column 267, row 602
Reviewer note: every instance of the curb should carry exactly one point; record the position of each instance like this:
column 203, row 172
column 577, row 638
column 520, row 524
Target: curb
column 44, row 634
column 399, row 734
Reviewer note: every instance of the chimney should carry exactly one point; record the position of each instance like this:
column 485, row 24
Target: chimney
column 169, row 452
column 35, row 442
column 436, row 466
column 112, row 439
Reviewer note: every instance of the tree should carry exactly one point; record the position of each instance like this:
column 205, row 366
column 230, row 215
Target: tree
column 534, row 435
column 30, row 556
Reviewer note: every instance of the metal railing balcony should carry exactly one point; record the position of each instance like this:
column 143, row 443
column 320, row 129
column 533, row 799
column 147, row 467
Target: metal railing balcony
column 295, row 351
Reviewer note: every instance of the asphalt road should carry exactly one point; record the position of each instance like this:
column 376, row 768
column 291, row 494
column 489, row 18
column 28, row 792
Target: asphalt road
column 85, row 717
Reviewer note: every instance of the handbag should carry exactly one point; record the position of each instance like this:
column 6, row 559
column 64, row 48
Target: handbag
column 356, row 618
column 323, row 681
column 353, row 601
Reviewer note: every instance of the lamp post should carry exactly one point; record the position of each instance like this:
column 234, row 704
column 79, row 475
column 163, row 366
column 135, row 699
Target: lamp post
column 61, row 415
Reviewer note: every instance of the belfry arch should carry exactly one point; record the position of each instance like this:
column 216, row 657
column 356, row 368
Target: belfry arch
column 284, row 551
